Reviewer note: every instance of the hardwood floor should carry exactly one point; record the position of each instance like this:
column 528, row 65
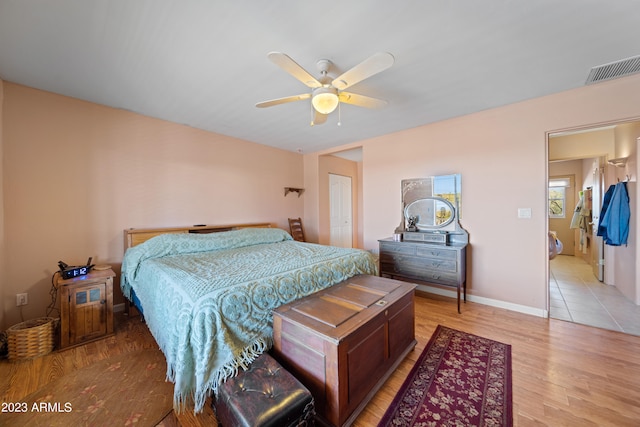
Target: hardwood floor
column 564, row 374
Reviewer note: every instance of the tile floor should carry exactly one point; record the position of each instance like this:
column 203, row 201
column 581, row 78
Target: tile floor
column 577, row 296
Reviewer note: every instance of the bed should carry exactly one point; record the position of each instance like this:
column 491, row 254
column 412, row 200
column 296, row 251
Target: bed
column 208, row 298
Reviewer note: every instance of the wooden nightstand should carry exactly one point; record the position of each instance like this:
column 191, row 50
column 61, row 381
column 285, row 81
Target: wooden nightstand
column 86, row 307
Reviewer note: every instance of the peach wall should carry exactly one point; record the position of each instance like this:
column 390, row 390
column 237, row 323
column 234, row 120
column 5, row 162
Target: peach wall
column 582, row 145
column 360, row 202
column 502, row 156
column 626, row 137
column 76, row 174
column 3, row 294
column 311, row 198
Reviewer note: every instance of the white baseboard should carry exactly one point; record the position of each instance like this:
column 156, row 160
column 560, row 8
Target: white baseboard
column 486, row 301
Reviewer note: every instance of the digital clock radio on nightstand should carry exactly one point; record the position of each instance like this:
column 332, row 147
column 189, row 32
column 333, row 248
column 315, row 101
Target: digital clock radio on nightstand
column 69, row 272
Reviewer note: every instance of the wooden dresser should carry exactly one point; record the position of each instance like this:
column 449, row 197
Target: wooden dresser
column 429, row 245
column 343, row 342
column 439, row 264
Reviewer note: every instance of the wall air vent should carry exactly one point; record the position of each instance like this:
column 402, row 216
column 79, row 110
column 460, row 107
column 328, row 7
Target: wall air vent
column 613, row 70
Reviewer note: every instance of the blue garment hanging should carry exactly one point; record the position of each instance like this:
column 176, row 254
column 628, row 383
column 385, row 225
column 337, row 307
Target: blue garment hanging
column 615, row 216
column 602, row 230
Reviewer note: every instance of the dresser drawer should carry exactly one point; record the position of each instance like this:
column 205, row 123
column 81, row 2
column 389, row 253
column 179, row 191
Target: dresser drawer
column 441, row 277
column 432, row 252
column 444, row 264
column 397, row 248
column 417, row 273
column 419, row 249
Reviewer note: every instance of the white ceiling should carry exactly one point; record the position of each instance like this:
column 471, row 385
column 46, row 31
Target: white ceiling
column 204, row 63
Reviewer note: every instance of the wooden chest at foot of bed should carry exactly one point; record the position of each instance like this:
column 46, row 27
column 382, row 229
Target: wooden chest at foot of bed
column 343, row 342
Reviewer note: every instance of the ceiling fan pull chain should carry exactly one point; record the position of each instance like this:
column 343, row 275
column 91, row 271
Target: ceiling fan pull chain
column 339, row 120
column 311, row 112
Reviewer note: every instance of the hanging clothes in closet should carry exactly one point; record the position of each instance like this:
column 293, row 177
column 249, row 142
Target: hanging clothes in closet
column 580, row 220
column 614, row 216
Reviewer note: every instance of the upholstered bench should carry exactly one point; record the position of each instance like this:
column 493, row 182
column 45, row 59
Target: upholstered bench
column 264, row 395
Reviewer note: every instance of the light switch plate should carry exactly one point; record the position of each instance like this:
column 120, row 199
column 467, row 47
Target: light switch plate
column 524, row 213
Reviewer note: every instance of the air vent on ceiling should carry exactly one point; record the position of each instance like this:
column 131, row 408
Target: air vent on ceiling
column 613, row 70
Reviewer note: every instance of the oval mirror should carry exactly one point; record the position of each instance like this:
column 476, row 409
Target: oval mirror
column 429, row 212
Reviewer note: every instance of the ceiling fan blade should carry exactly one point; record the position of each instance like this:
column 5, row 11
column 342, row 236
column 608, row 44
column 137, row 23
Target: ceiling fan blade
column 279, row 101
column 367, row 68
column 361, row 100
column 290, row 66
column 319, row 118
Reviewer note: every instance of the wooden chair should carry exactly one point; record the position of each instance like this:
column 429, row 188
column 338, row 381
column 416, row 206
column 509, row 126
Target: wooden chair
column 297, row 232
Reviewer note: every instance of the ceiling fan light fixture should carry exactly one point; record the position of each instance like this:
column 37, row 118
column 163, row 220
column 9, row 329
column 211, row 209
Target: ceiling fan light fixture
column 325, row 100
column 326, row 95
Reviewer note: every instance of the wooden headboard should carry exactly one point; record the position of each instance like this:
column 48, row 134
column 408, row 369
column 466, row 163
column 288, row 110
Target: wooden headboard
column 135, row 236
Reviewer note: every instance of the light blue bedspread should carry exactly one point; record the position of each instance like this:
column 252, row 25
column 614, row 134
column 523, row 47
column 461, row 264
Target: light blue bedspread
column 208, row 298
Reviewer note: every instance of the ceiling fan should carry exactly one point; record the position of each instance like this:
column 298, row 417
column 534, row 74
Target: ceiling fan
column 327, row 93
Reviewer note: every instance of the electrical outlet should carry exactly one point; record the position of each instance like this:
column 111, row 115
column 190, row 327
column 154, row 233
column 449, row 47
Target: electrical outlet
column 21, row 299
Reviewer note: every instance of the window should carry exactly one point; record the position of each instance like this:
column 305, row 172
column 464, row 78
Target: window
column 557, row 196
column 556, row 202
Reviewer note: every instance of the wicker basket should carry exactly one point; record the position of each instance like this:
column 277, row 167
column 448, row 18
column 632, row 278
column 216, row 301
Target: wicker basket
column 33, row 338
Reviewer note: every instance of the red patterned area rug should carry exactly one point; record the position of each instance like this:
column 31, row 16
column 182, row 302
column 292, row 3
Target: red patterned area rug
column 459, row 380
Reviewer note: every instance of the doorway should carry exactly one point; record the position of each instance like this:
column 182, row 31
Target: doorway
column 341, row 211
column 580, row 288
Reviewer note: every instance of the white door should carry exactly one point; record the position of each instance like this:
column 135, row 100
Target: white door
column 340, row 222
